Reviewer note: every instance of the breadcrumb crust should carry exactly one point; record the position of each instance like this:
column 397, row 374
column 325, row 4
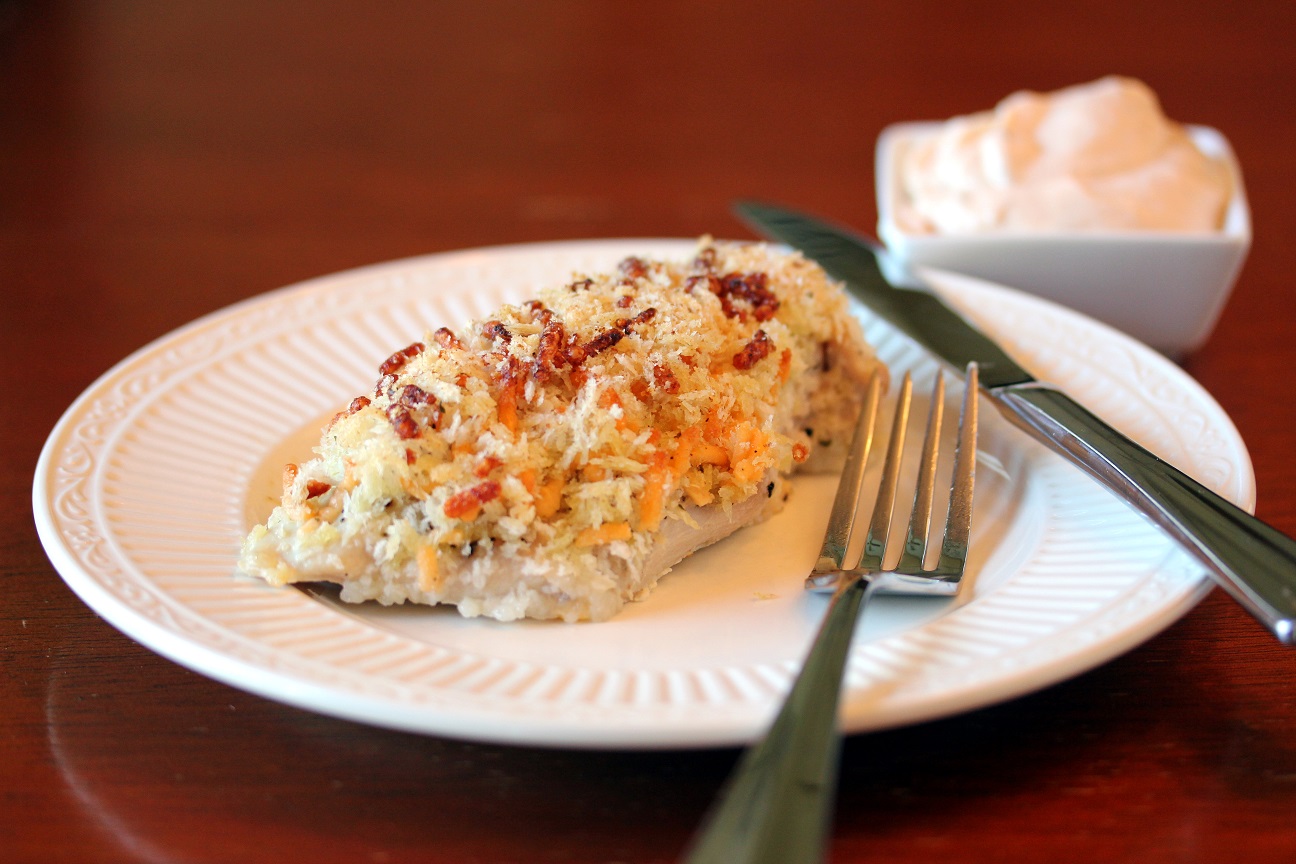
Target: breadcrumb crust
column 527, row 465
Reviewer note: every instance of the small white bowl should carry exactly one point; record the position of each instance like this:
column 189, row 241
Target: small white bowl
column 1165, row 289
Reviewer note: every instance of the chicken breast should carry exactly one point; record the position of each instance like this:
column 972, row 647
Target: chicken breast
column 555, row 460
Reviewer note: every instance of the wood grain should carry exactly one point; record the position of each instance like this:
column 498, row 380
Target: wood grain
column 162, row 160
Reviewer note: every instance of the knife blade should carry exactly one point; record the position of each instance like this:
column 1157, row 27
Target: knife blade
column 1253, row 561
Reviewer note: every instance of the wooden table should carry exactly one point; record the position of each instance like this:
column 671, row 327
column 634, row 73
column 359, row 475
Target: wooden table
column 161, row 161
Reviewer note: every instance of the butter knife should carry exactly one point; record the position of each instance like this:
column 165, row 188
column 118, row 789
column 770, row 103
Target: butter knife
column 1254, row 562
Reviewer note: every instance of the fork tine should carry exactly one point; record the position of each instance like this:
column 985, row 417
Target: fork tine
column 842, row 519
column 875, row 542
column 958, row 521
column 915, row 545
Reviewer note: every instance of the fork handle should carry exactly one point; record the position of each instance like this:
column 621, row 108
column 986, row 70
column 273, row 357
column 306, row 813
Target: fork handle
column 778, row 802
column 1251, row 560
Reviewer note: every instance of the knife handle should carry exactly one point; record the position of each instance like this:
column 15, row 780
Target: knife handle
column 1251, row 560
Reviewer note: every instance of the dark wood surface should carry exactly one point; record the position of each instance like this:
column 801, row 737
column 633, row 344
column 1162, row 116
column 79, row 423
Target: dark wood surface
column 161, row 160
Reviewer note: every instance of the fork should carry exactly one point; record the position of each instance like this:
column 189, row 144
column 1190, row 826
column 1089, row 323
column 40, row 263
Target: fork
column 777, row 805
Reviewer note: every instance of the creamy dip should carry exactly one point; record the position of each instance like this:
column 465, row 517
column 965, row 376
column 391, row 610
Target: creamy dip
column 1094, row 157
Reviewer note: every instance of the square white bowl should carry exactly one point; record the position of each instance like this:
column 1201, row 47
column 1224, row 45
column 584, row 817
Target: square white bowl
column 1165, row 289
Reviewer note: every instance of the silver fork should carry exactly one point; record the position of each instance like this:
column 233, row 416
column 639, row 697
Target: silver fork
column 777, row 805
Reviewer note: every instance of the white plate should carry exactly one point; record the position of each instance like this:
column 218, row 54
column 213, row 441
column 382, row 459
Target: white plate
column 147, row 485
